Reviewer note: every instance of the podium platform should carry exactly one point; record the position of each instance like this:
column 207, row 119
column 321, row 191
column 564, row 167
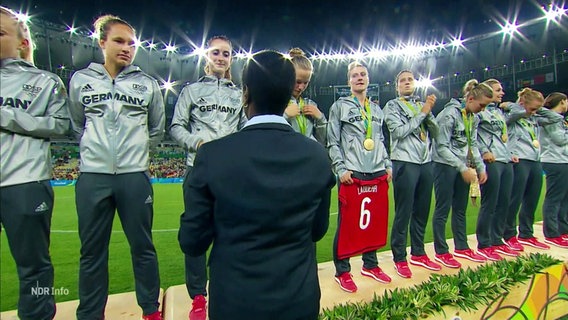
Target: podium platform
column 176, row 301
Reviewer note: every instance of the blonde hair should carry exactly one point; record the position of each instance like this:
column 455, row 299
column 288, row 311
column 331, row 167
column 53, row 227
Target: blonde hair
column 491, row 82
column 476, row 90
column 528, row 94
column 105, row 22
column 23, row 33
column 299, row 59
column 352, row 66
column 554, row 99
column 227, row 74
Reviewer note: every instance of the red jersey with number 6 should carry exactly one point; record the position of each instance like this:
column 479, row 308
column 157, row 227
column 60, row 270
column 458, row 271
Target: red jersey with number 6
column 364, row 212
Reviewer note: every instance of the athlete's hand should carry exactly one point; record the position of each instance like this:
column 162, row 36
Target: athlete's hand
column 346, row 178
column 515, row 159
column 313, row 111
column 488, row 157
column 199, row 144
column 429, row 104
column 469, row 175
column 482, row 177
column 292, row 110
column 389, row 175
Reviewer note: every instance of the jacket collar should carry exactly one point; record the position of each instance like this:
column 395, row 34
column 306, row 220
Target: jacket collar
column 220, row 81
column 4, row 63
column 100, row 69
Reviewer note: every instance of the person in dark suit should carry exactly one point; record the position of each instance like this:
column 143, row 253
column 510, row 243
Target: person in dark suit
column 261, row 196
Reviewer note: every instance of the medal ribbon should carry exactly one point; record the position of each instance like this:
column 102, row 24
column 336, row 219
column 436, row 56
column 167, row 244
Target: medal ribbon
column 367, row 116
column 301, row 119
column 502, row 121
column 415, row 111
column 468, row 123
column 529, row 128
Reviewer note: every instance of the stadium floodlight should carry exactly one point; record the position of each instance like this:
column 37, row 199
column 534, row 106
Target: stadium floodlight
column 151, row 45
column 457, row 42
column 356, row 55
column 554, row 13
column 168, row 85
column 137, row 43
column 22, row 16
column 170, row 48
column 378, row 54
column 509, row 28
column 199, row 51
column 423, row 83
column 94, row 35
column 71, row 29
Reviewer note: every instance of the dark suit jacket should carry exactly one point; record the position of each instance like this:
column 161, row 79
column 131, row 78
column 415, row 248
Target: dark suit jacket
column 262, row 197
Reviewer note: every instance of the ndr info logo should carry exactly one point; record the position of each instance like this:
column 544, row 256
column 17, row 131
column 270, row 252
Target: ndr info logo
column 51, row 291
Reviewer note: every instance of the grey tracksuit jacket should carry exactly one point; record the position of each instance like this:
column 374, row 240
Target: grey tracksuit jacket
column 115, row 120
column 315, row 128
column 404, row 127
column 206, row 110
column 520, row 140
column 554, row 142
column 33, row 109
column 346, row 132
column 489, row 134
column 451, row 146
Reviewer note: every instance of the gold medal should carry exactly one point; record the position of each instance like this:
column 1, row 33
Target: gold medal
column 536, row 144
column 422, row 136
column 369, row 144
column 504, row 137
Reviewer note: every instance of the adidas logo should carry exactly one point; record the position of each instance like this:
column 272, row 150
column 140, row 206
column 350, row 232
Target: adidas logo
column 149, row 200
column 87, row 88
column 201, row 101
column 351, row 113
column 42, row 207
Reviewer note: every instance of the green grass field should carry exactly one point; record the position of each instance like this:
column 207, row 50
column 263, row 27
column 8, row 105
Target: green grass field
column 168, row 206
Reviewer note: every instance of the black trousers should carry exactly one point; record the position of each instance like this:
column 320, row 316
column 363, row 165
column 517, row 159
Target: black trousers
column 527, row 184
column 195, row 267
column 451, row 192
column 25, row 213
column 495, row 197
column 412, row 198
column 97, row 197
column 555, row 207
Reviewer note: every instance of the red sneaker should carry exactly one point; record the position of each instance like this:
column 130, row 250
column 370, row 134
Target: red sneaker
column 198, row 308
column 425, row 262
column 504, row 249
column 489, row 253
column 469, row 255
column 558, row 241
column 154, row 316
column 448, row 260
column 533, row 242
column 346, row 282
column 377, row 274
column 565, row 236
column 514, row 244
column 402, row 269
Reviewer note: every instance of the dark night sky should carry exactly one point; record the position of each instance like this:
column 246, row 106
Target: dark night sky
column 281, row 24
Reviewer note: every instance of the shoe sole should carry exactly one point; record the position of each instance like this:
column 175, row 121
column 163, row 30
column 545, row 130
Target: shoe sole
column 488, row 258
column 463, row 256
column 343, row 288
column 370, row 275
column 447, row 265
column 507, row 253
column 420, row 264
column 556, row 244
column 515, row 249
column 401, row 275
column 533, row 245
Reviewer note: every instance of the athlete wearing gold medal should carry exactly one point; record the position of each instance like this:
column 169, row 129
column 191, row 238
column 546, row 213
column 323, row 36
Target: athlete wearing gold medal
column 412, row 128
column 356, row 148
column 524, row 119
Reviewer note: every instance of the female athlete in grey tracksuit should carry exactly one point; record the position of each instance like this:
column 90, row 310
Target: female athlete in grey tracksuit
column 554, row 158
column 205, row 111
column 455, row 151
column 117, row 113
column 492, row 138
column 33, row 109
column 412, row 128
column 523, row 121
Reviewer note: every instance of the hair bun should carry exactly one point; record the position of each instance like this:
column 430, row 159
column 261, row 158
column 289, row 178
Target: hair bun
column 296, row 52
